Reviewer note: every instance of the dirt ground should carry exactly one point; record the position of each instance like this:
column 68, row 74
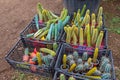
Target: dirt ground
column 15, row 15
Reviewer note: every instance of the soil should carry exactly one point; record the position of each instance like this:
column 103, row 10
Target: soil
column 16, row 14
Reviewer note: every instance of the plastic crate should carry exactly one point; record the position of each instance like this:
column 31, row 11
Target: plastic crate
column 104, row 42
column 31, row 28
column 57, row 74
column 15, row 55
column 66, row 49
column 74, row 5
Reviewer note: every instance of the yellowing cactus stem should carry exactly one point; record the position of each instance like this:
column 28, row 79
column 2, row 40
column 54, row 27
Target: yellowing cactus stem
column 99, row 13
column 93, row 17
column 90, row 72
column 81, row 40
column 72, row 67
column 99, row 40
column 74, row 39
column 93, row 26
column 39, row 58
column 94, row 36
column 95, row 55
column 64, row 61
column 88, row 36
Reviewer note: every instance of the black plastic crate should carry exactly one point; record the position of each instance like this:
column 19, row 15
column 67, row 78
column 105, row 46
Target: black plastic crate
column 57, row 74
column 74, row 5
column 15, row 56
column 67, row 49
column 31, row 28
column 104, row 42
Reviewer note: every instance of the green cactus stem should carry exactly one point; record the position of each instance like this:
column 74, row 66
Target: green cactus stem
column 81, row 38
column 62, row 77
column 79, row 68
column 26, row 51
column 99, row 40
column 107, row 68
column 88, row 36
column 74, row 39
column 100, row 12
column 103, row 64
column 85, row 56
column 71, row 78
column 46, row 60
column 94, row 36
column 106, row 76
column 55, row 46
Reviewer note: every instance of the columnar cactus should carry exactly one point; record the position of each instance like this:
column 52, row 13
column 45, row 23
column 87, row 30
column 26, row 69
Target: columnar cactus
column 85, row 56
column 99, row 39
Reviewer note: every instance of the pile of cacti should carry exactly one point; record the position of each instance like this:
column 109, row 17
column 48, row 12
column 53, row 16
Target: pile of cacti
column 85, row 31
column 91, row 67
column 43, row 56
column 54, row 25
